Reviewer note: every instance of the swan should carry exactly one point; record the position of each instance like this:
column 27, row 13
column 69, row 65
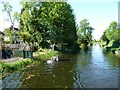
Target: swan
column 50, row 61
column 56, row 58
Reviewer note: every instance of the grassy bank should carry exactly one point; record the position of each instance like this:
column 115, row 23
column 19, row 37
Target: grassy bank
column 44, row 54
column 111, row 46
column 9, row 67
column 20, row 65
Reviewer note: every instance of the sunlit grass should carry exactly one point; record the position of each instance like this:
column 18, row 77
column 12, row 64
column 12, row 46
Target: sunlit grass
column 0, row 70
column 15, row 66
column 45, row 54
column 9, row 67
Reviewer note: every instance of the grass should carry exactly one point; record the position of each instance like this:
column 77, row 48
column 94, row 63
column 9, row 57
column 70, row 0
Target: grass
column 9, row 67
column 14, row 67
column 44, row 55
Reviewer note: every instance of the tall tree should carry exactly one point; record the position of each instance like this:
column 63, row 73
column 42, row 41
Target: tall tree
column 51, row 21
column 111, row 30
column 84, row 32
column 111, row 35
column 29, row 22
column 8, row 9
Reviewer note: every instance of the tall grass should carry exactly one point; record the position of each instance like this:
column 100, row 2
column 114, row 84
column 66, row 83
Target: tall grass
column 16, row 66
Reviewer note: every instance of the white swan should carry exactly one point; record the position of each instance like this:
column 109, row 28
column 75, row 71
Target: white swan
column 50, row 61
column 56, row 58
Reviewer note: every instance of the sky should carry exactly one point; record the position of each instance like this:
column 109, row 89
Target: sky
column 100, row 13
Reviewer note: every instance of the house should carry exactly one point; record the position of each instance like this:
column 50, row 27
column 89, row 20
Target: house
column 13, row 28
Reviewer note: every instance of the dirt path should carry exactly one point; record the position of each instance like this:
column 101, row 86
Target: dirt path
column 11, row 59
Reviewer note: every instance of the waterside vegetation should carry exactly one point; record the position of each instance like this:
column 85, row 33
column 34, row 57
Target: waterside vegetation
column 22, row 64
column 42, row 25
column 111, row 38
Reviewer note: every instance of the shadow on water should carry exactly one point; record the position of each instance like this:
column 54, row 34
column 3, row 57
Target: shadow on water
column 12, row 81
column 112, row 59
column 93, row 68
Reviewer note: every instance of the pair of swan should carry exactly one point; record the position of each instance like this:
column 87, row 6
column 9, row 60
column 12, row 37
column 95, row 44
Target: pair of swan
column 55, row 58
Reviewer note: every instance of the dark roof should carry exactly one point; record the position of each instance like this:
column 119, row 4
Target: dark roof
column 13, row 28
column 2, row 33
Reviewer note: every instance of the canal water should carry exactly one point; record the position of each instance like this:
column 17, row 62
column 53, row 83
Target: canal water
column 94, row 68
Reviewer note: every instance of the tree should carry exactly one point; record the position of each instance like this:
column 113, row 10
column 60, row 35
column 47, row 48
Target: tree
column 111, row 35
column 8, row 9
column 10, row 34
column 29, row 22
column 63, row 24
column 84, row 32
column 49, row 22
column 111, row 30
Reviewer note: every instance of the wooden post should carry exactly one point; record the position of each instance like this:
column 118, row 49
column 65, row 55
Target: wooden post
column 1, row 38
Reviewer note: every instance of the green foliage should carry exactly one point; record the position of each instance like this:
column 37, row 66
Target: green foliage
column 110, row 43
column 16, row 66
column 111, row 35
column 8, row 67
column 45, row 54
column 63, row 23
column 25, row 36
column 9, row 34
column 84, row 32
column 111, row 31
column 48, row 23
column 8, row 9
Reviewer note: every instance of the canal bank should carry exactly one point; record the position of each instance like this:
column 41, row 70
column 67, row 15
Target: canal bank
column 95, row 68
column 14, row 65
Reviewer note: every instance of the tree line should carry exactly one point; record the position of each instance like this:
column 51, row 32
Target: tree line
column 44, row 23
column 111, row 36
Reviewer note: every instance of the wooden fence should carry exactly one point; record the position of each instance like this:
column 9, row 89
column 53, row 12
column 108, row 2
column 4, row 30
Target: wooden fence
column 17, row 46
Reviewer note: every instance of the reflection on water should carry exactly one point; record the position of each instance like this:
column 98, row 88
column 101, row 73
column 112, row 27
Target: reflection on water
column 0, row 84
column 94, row 68
column 12, row 81
column 95, row 71
column 47, row 76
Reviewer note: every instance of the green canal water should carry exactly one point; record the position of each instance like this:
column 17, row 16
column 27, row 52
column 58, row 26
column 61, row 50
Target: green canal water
column 95, row 68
